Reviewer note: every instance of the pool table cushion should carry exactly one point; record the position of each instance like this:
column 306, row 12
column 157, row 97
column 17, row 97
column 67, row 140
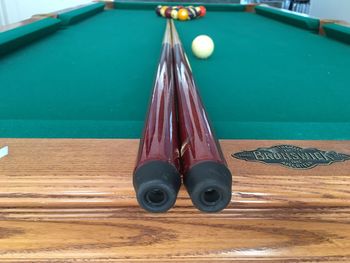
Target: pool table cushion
column 20, row 36
column 76, row 15
column 225, row 7
column 338, row 32
column 298, row 20
column 152, row 5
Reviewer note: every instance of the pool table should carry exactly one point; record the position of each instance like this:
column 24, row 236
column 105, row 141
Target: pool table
column 271, row 76
column 74, row 91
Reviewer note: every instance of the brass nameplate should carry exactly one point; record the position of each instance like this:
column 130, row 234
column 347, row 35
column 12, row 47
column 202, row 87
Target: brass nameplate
column 292, row 156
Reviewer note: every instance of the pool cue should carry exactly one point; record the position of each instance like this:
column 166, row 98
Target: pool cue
column 156, row 176
column 204, row 169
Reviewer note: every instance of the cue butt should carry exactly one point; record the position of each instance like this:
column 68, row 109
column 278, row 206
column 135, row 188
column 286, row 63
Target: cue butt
column 156, row 176
column 205, row 174
column 157, row 184
column 209, row 186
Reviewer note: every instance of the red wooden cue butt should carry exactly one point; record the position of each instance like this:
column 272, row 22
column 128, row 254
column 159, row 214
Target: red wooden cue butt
column 156, row 176
column 206, row 175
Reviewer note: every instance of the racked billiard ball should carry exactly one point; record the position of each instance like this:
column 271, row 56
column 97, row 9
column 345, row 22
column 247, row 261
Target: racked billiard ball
column 167, row 12
column 203, row 10
column 198, row 10
column 174, row 14
column 182, row 14
column 162, row 10
column 158, row 10
column 191, row 13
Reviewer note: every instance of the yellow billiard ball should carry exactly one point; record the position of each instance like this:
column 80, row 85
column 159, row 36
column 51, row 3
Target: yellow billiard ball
column 174, row 14
column 182, row 14
column 162, row 10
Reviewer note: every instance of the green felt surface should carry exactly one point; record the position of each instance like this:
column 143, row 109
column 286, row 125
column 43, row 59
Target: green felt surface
column 265, row 80
column 338, row 32
column 92, row 79
column 271, row 80
column 15, row 38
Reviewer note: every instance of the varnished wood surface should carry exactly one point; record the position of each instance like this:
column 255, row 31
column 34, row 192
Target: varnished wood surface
column 72, row 200
column 55, row 14
column 97, row 173
column 291, row 235
column 324, row 22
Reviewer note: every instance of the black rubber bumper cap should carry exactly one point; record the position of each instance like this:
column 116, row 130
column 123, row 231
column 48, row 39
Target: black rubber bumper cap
column 209, row 185
column 156, row 184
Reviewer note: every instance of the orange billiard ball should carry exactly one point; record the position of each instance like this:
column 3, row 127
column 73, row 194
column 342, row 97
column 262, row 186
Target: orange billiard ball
column 182, row 14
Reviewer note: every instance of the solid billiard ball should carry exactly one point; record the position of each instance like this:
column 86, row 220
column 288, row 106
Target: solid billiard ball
column 174, row 13
column 158, row 10
column 162, row 10
column 203, row 10
column 182, row 14
column 167, row 12
column 202, row 46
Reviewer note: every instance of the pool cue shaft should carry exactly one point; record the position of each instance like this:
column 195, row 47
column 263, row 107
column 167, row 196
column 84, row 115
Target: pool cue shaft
column 204, row 168
column 156, row 176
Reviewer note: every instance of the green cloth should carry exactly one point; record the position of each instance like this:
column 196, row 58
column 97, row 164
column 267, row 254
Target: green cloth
column 21, row 36
column 265, row 80
column 79, row 14
column 269, row 80
column 92, row 79
column 298, row 20
column 338, row 32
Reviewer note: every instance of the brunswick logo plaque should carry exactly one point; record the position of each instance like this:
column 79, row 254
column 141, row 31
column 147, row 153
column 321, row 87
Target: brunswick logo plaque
column 292, row 156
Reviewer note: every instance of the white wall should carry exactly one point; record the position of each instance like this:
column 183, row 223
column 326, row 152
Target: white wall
column 12, row 11
column 331, row 9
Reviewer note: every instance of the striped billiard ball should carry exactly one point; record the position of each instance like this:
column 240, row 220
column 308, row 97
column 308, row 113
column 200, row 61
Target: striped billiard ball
column 191, row 13
column 174, row 13
column 158, row 10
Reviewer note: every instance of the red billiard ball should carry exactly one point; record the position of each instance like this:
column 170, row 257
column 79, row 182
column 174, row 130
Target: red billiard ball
column 203, row 10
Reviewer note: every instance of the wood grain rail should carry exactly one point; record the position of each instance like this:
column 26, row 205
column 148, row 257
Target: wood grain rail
column 291, row 235
column 97, row 173
column 67, row 200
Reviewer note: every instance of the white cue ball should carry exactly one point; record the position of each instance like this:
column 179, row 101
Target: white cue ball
column 202, row 46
